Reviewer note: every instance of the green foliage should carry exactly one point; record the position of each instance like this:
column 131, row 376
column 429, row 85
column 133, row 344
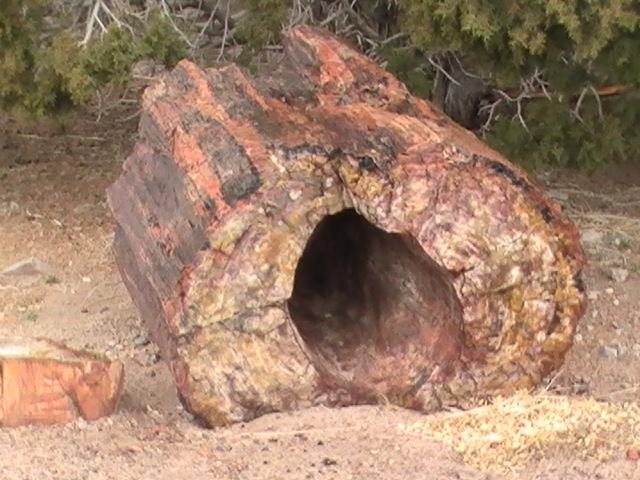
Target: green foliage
column 408, row 65
column 38, row 79
column 510, row 39
column 110, row 59
column 262, row 25
column 573, row 44
column 160, row 41
column 18, row 27
column 65, row 59
column 561, row 139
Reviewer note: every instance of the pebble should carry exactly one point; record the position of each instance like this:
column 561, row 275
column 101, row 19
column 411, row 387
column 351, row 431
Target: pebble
column 608, row 351
column 593, row 295
column 616, row 302
column 152, row 359
column 84, row 208
column 8, row 208
column 141, row 340
column 619, row 275
column 609, row 291
column 295, row 194
column 30, row 266
column 559, row 195
column 81, row 423
column 590, row 235
column 577, row 338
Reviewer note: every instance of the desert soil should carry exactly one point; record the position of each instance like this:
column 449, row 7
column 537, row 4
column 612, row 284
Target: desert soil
column 52, row 207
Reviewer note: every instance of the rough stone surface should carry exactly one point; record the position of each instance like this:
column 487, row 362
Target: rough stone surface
column 317, row 235
column 609, row 351
column 43, row 382
column 619, row 275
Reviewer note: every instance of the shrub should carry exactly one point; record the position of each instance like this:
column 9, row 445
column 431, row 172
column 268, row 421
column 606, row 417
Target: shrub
column 263, row 23
column 567, row 48
column 38, row 78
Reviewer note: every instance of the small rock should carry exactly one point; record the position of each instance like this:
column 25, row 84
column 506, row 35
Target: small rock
column 84, row 208
column 593, row 295
column 329, row 461
column 141, row 340
column 8, row 208
column 619, row 275
column 86, row 279
column 577, row 338
column 616, row 302
column 30, row 266
column 608, row 351
column 594, row 313
column 33, row 216
column 146, row 69
column 633, row 454
column 153, row 359
column 295, row 194
column 609, row 291
column 223, row 447
column 559, row 195
column 590, row 235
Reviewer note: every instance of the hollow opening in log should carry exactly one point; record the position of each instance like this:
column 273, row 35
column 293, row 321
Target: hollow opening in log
column 375, row 311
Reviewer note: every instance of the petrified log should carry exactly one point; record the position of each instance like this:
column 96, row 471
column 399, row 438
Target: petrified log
column 317, row 235
column 43, row 382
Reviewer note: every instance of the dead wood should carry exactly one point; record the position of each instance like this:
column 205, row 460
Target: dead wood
column 317, row 235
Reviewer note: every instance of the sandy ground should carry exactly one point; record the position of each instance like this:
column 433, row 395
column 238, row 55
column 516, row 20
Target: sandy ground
column 52, row 206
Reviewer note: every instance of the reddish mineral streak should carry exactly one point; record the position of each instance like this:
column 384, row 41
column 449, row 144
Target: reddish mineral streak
column 316, row 235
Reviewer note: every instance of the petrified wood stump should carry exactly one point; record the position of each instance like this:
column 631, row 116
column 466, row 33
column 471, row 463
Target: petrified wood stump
column 316, row 235
column 43, row 382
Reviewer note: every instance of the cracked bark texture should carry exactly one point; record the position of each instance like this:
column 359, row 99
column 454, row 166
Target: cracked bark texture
column 317, row 235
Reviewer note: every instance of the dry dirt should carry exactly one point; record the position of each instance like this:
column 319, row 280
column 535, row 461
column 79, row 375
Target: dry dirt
column 52, row 206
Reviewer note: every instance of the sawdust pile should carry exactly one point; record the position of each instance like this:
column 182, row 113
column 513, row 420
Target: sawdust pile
column 512, row 432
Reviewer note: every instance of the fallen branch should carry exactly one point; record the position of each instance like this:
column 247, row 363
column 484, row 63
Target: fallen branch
column 602, row 91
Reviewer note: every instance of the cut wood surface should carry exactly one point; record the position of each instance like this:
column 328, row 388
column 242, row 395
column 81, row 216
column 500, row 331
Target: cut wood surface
column 317, row 235
column 46, row 383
